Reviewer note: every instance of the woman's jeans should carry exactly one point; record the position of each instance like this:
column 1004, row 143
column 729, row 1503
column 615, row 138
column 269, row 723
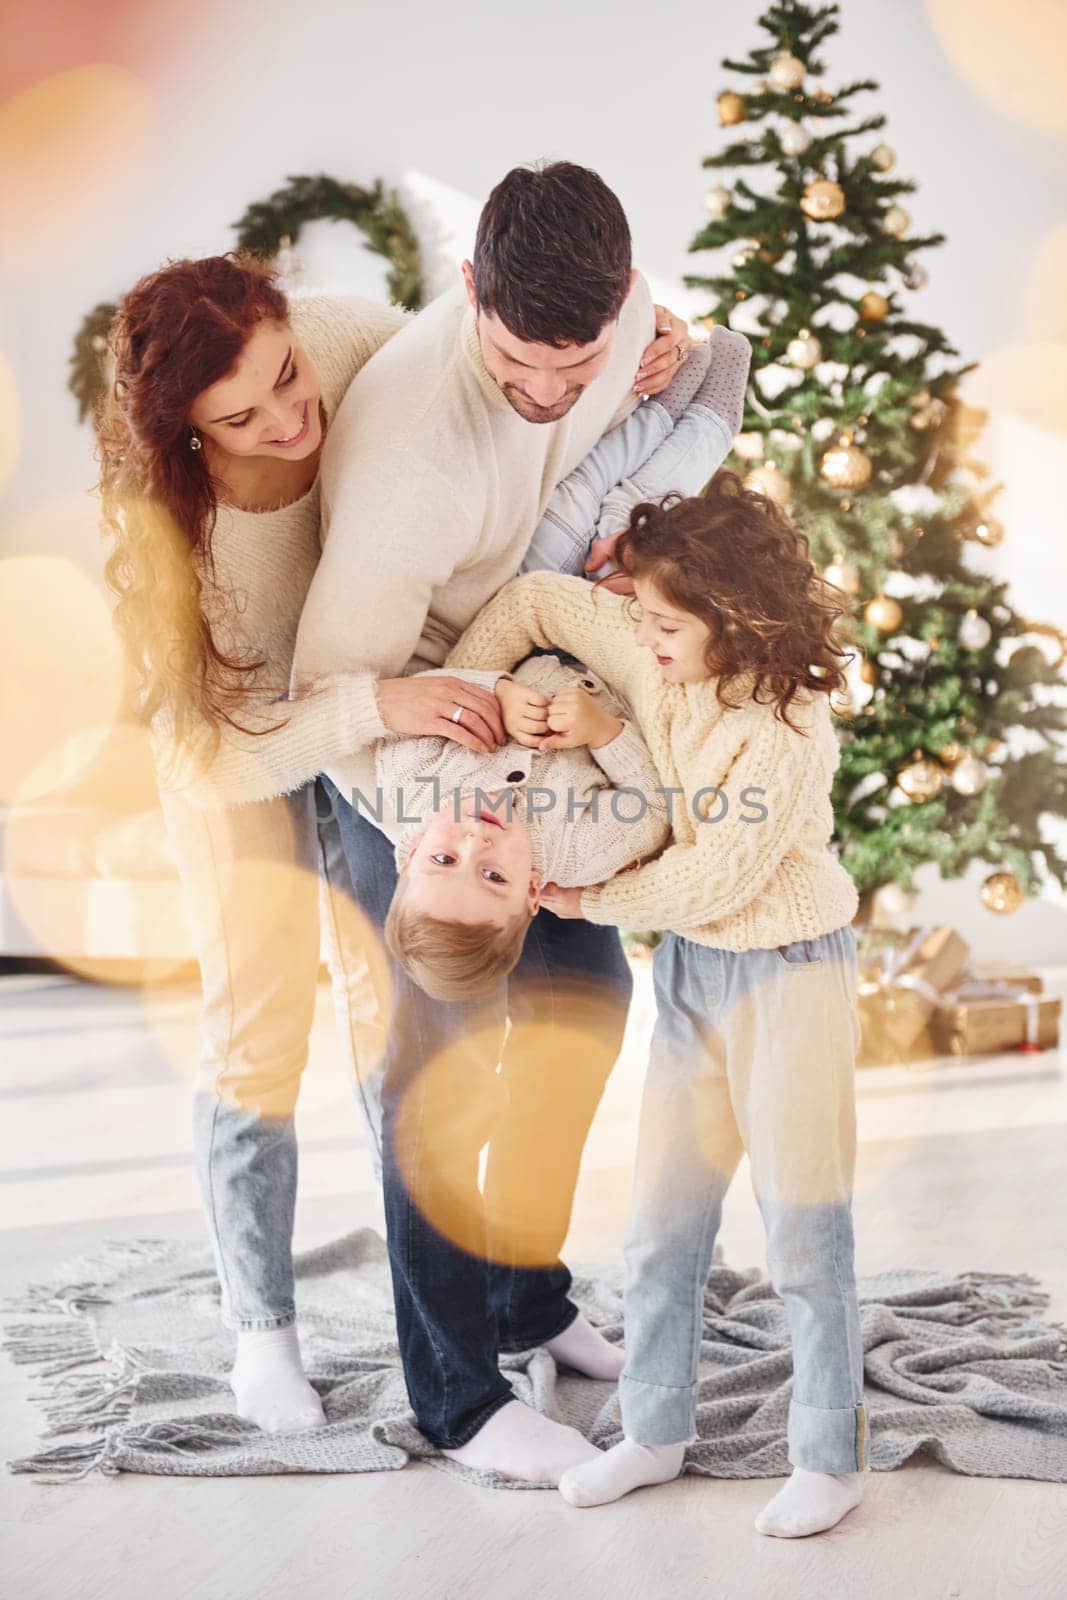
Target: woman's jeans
column 752, row 1050
column 256, row 879
column 476, row 1269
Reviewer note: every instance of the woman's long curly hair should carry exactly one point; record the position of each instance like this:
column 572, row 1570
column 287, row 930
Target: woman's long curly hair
column 177, row 332
column 732, row 558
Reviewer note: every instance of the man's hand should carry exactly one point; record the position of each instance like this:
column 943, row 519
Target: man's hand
column 602, row 550
column 664, row 355
column 525, row 711
column 576, row 718
column 562, row 902
column 419, row 705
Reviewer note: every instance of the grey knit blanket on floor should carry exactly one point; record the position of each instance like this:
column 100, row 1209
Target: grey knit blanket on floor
column 128, row 1349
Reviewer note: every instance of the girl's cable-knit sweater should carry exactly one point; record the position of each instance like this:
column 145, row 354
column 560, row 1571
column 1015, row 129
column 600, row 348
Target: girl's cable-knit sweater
column 732, row 878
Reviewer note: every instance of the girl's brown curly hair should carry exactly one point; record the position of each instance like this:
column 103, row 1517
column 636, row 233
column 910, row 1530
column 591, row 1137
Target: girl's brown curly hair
column 732, row 558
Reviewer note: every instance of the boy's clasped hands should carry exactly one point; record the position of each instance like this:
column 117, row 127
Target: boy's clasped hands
column 563, row 721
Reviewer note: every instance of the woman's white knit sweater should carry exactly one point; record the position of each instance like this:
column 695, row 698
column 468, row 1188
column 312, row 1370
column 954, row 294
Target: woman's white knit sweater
column 264, row 562
column 734, row 883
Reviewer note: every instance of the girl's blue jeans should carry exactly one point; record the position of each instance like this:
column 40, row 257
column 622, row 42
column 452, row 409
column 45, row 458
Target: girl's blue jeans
column 752, row 1051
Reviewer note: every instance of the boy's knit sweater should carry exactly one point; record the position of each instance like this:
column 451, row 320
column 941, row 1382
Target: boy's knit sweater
column 581, row 828
column 735, row 884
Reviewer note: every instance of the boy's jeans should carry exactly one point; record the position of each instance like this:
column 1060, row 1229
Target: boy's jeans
column 476, row 1273
column 751, row 1051
column 257, row 878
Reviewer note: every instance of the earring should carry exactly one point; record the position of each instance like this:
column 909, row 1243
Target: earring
column 195, row 441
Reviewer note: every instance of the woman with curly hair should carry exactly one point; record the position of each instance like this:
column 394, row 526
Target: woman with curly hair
column 729, row 670
column 221, row 389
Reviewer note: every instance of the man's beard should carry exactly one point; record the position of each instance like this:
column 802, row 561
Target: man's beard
column 530, row 412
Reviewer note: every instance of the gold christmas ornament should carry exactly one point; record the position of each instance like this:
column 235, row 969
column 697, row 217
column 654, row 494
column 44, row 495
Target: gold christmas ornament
column 731, row 108
column 718, row 201
column 883, row 157
column 795, row 139
column 786, row 72
column 975, row 632
column 1002, row 892
column 883, row 613
column 822, row 200
column 896, row 221
column 769, row 481
column 949, row 754
column 804, row 351
column 843, row 575
column 749, row 446
column 707, row 322
column 989, row 533
column 994, row 749
column 969, row 776
column 846, row 466
column 743, row 256
column 929, row 411
column 920, row 780
column 870, row 672
column 873, row 306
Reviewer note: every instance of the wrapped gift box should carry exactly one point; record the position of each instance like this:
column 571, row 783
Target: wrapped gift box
column 902, row 978
column 988, row 1023
column 1004, row 974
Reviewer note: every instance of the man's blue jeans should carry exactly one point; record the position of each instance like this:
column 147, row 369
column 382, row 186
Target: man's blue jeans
column 477, row 1271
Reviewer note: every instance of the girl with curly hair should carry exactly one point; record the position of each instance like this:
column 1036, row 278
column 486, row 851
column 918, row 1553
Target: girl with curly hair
column 729, row 670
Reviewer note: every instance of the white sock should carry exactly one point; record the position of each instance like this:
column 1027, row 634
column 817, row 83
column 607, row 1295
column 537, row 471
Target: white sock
column 269, row 1382
column 810, row 1502
column 580, row 1346
column 626, row 1466
column 518, row 1442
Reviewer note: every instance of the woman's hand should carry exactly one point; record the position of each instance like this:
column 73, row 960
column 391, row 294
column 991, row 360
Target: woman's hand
column 525, row 711
column 575, row 718
column 419, row 705
column 664, row 355
column 562, row 902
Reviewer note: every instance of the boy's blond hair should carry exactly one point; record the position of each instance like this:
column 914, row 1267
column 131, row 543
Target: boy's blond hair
column 453, row 960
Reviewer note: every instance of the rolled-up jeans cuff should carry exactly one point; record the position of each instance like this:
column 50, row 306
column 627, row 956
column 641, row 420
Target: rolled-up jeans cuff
column 658, row 1413
column 822, row 1440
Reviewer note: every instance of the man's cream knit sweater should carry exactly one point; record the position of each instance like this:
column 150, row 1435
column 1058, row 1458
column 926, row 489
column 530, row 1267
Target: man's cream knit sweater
column 264, row 562
column 735, row 884
column 432, row 486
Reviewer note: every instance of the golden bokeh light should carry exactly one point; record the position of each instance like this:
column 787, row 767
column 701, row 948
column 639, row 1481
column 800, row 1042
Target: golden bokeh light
column 531, row 1118
column 1014, row 56
column 62, row 674
column 10, row 424
column 1024, row 382
column 72, row 148
column 1044, row 304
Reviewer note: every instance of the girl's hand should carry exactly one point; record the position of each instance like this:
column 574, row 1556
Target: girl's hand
column 562, row 902
column 525, row 711
column 664, row 355
column 575, row 717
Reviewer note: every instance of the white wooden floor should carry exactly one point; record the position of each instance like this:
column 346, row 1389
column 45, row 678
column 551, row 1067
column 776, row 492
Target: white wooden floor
column 961, row 1166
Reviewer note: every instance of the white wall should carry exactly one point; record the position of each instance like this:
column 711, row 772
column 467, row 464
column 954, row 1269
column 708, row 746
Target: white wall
column 444, row 100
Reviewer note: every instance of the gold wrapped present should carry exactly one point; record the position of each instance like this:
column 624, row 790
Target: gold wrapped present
column 902, row 978
column 984, row 1024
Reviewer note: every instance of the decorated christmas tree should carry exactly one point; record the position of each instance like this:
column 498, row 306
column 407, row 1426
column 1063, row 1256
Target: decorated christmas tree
column 950, row 730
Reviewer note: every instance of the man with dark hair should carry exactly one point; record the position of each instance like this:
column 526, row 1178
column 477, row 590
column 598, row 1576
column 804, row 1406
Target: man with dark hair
column 433, row 482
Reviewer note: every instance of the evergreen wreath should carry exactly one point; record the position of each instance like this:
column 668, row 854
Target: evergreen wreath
column 267, row 227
